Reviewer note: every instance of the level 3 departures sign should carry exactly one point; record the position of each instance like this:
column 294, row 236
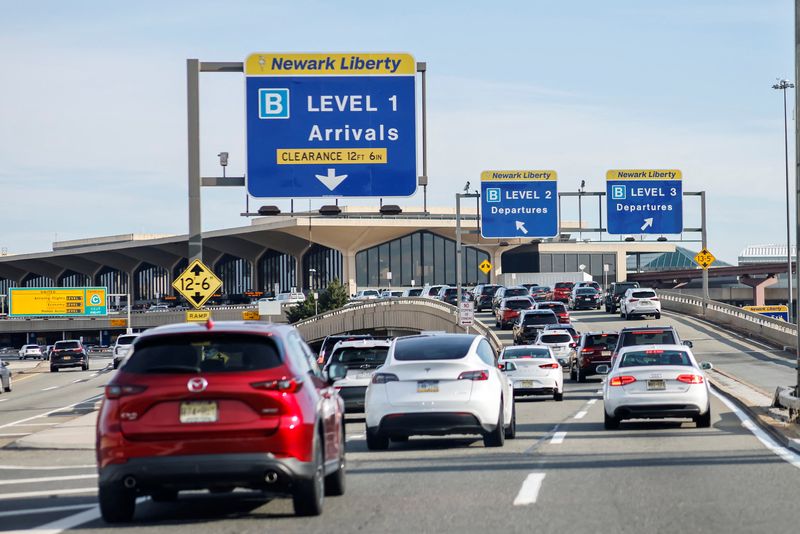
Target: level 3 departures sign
column 331, row 125
column 644, row 201
column 197, row 283
column 519, row 203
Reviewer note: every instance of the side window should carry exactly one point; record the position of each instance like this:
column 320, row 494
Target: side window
column 485, row 353
column 311, row 358
column 297, row 354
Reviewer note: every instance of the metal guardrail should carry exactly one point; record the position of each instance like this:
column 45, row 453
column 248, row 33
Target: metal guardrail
column 410, row 313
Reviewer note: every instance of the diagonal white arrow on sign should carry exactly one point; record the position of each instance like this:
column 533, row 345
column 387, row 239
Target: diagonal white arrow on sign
column 331, row 180
column 521, row 226
column 647, row 223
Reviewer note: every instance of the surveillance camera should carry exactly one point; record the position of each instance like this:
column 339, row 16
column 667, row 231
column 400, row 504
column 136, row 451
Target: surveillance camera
column 223, row 159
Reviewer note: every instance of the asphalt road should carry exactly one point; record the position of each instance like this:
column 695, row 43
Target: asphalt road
column 564, row 473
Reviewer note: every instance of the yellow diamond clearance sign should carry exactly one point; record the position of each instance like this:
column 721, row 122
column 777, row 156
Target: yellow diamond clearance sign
column 704, row 258
column 197, row 283
column 485, row 266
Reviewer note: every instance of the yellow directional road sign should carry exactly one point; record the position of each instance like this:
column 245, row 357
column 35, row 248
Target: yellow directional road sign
column 195, row 316
column 485, row 266
column 197, row 283
column 704, row 258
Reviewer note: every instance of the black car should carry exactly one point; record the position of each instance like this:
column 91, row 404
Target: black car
column 507, row 292
column 483, row 295
column 449, row 295
column 584, row 298
column 615, row 292
column 69, row 353
column 529, row 324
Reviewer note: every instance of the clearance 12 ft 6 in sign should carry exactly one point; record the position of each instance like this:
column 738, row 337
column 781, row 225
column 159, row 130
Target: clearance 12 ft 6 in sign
column 519, row 204
column 331, row 125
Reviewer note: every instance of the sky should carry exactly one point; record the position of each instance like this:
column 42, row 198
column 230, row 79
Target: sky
column 93, row 103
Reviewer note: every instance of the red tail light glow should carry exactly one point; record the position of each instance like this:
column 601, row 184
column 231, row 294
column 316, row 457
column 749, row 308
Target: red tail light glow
column 383, row 378
column 115, row 392
column 633, row 300
column 623, row 380
column 550, row 366
column 474, row 375
column 285, row 385
column 690, row 379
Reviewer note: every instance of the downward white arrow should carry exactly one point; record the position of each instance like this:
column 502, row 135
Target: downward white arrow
column 331, row 180
column 521, row 226
column 647, row 223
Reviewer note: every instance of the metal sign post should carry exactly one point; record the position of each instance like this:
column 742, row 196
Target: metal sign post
column 797, row 179
column 459, row 231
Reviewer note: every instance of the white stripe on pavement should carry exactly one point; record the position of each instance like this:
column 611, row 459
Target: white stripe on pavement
column 580, row 415
column 66, row 523
column 46, row 493
column 44, row 479
column 591, row 401
column 16, row 435
column 558, row 437
column 51, row 411
column 50, row 388
column 30, row 511
column 38, row 424
column 48, row 467
column 355, row 436
column 529, row 491
column 3, row 400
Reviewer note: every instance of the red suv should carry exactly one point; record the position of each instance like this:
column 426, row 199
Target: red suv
column 562, row 291
column 220, row 406
column 594, row 349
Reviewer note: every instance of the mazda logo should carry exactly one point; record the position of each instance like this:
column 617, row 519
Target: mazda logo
column 197, row 385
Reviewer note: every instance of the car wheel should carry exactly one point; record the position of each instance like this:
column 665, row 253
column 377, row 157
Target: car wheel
column 703, row 421
column 164, row 496
column 53, row 369
column 116, row 364
column 85, row 367
column 497, row 437
column 117, row 504
column 496, row 323
column 558, row 395
column 8, row 389
column 610, row 423
column 573, row 373
column 309, row 495
column 377, row 441
column 335, row 482
column 581, row 376
column 658, row 316
column 511, row 430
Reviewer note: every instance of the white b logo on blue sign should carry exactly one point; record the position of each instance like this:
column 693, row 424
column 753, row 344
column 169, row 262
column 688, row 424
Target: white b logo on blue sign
column 273, row 103
column 492, row 194
column 619, row 192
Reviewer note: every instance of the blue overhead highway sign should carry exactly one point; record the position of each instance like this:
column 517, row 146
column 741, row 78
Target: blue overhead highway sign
column 646, row 201
column 519, row 204
column 331, row 125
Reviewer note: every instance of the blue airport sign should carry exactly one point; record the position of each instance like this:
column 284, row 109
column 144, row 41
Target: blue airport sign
column 646, row 201
column 519, row 204
column 339, row 125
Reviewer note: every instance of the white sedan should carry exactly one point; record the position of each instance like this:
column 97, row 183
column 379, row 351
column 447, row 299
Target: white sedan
column 656, row 382
column 439, row 385
column 533, row 370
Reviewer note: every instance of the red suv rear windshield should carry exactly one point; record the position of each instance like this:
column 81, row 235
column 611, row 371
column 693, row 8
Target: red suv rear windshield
column 606, row 341
column 567, row 285
column 211, row 353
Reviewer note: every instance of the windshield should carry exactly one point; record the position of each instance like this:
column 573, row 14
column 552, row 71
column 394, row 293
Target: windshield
column 655, row 357
column 564, row 285
column 423, row 348
column 586, row 291
column 66, row 345
column 556, row 338
column 604, row 341
column 526, row 352
column 557, row 307
column 516, row 292
column 489, row 290
column 643, row 294
column 360, row 357
column 212, row 353
column 518, row 304
column 620, row 289
column 414, row 292
column 649, row 337
column 540, row 318
column 125, row 340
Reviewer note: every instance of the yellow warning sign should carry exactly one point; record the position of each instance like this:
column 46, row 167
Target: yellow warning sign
column 197, row 284
column 485, row 266
column 250, row 315
column 197, row 316
column 704, row 258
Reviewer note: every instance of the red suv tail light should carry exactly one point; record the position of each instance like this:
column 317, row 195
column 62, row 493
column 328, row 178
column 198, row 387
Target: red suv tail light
column 286, row 385
column 115, row 392
column 690, row 379
column 474, row 375
column 383, row 378
column 550, row 366
column 621, row 380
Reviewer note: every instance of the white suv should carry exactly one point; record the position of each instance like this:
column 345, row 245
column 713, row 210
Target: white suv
column 560, row 342
column 122, row 348
column 639, row 301
column 30, row 351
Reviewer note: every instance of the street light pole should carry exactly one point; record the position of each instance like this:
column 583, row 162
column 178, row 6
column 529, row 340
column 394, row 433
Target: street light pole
column 783, row 85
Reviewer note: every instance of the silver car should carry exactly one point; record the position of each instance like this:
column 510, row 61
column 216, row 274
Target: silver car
column 5, row 376
column 656, row 382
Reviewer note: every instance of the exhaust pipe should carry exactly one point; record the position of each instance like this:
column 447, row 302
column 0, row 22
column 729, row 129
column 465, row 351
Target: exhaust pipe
column 271, row 477
column 129, row 482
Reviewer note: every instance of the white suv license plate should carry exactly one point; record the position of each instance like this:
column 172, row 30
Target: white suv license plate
column 428, row 386
column 656, row 385
column 199, row 412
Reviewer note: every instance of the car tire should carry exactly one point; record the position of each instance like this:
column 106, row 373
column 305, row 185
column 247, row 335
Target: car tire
column 581, row 377
column 511, row 429
column 85, row 367
column 497, row 437
column 703, row 421
column 658, row 316
column 610, row 423
column 116, row 364
column 53, row 369
column 8, row 389
column 376, row 441
column 573, row 373
column 558, row 396
column 309, row 495
column 117, row 504
column 164, row 496
column 335, row 482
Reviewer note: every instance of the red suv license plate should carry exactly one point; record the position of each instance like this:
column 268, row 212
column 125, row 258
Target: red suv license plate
column 199, row 412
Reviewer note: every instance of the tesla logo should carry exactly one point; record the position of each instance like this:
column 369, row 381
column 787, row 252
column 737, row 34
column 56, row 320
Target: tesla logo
column 196, row 385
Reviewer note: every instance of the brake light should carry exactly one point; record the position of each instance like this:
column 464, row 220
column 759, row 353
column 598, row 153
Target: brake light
column 623, row 380
column 645, row 332
column 284, row 385
column 587, row 350
column 654, row 298
column 690, row 379
column 550, row 366
column 654, row 351
column 383, row 378
column 115, row 392
column 474, row 375
column 633, row 300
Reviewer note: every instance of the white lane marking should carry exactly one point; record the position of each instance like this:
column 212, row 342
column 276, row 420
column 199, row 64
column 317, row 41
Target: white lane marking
column 540, row 441
column 599, row 392
column 46, row 493
column 767, row 440
column 80, row 380
column 580, row 415
column 591, row 401
column 93, row 375
column 38, row 424
column 558, row 438
column 51, row 411
column 529, row 491
column 31, row 511
column 44, row 479
column 355, row 436
column 3, row 400
column 66, row 523
column 48, row 467
column 17, row 435
column 50, row 388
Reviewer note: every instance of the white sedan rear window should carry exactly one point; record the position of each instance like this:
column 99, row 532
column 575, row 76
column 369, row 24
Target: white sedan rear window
column 556, row 338
column 643, row 294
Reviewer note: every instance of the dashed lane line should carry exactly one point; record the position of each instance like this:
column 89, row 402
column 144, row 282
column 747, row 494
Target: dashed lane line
column 31, row 418
column 49, row 509
column 529, row 491
column 66, row 523
column 355, row 436
column 47, row 467
column 591, row 401
column 44, row 479
column 47, row 493
column 558, row 438
column 51, row 388
column 580, row 415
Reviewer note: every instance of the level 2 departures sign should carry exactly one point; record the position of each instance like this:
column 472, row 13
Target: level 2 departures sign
column 519, row 203
column 644, row 201
column 331, row 125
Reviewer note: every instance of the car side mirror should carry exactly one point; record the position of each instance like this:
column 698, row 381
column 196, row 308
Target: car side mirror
column 603, row 369
column 706, row 366
column 688, row 344
column 336, row 371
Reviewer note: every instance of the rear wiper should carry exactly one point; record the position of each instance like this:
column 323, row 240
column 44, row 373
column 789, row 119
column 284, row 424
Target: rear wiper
column 173, row 369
